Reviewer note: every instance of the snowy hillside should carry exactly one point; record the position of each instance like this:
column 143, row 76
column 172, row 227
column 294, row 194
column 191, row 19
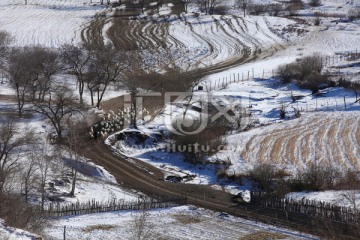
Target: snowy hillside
column 10, row 233
column 47, row 25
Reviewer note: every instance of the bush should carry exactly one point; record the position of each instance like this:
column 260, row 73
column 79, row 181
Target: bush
column 295, row 6
column 306, row 71
column 316, row 177
column 221, row 10
column 287, row 72
column 313, row 82
column 18, row 213
column 314, row 3
column 310, row 65
column 274, row 9
column 349, row 181
column 266, row 175
column 317, row 21
column 257, row 9
column 354, row 14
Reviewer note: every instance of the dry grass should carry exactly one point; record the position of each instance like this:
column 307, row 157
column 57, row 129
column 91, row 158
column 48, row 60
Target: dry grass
column 347, row 141
column 323, row 137
column 263, row 236
column 186, row 219
column 99, row 227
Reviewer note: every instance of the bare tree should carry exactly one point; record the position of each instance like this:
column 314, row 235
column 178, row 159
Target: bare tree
column 137, row 82
column 28, row 175
column 210, row 5
column 142, row 228
column 76, row 60
column 10, row 144
column 44, row 162
column 47, row 63
column 351, row 196
column 58, row 105
column 105, row 68
column 186, row 4
column 75, row 128
column 138, row 77
column 23, row 74
column 244, row 5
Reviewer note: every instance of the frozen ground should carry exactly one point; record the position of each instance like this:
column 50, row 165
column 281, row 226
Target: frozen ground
column 185, row 222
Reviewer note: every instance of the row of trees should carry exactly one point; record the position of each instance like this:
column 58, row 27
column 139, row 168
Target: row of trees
column 34, row 72
column 252, row 7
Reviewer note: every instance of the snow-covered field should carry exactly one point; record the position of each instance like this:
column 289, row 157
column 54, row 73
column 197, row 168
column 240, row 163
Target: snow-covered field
column 46, row 23
column 210, row 40
column 327, row 131
column 326, row 138
column 185, row 222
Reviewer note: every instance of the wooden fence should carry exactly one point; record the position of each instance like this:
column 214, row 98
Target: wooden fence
column 58, row 210
column 307, row 207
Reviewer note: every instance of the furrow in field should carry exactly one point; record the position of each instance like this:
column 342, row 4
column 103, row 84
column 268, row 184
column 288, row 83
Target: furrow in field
column 319, row 137
column 349, row 145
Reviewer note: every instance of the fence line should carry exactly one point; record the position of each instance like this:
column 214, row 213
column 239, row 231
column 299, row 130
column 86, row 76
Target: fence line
column 58, row 210
column 258, row 200
column 307, row 207
column 250, row 75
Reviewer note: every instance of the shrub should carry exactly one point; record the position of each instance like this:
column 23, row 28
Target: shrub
column 314, row 3
column 354, row 14
column 287, row 72
column 316, row 177
column 257, row 9
column 349, row 181
column 313, row 82
column 295, row 6
column 266, row 175
column 310, row 65
column 18, row 213
column 317, row 21
column 306, row 71
column 221, row 10
column 274, row 9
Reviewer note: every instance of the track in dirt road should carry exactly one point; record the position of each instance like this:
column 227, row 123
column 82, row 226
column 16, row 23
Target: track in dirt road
column 135, row 174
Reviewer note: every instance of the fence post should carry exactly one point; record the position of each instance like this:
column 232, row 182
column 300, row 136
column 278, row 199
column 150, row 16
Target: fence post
column 64, row 233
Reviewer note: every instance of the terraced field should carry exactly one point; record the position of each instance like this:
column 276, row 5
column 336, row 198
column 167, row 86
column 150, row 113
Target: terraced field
column 325, row 137
column 194, row 41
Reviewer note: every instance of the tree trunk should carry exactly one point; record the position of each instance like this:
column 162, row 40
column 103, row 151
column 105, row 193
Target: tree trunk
column 72, row 192
column 18, row 100
column 81, row 92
